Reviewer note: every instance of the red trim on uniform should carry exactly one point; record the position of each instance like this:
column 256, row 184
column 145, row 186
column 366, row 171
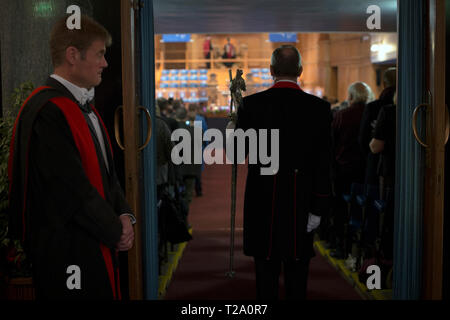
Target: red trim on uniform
column 11, row 158
column 286, row 84
column 89, row 160
column 106, row 252
column 112, row 155
column 295, row 215
column 11, row 147
column 273, row 213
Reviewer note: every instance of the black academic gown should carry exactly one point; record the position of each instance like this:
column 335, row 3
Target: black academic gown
column 72, row 202
column 276, row 207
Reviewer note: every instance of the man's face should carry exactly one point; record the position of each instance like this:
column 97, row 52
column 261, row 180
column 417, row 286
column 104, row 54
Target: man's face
column 88, row 69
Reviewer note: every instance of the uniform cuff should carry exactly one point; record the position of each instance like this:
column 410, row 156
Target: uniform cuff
column 132, row 217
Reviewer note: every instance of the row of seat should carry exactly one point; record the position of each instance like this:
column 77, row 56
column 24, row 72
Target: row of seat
column 166, row 72
column 184, row 78
column 366, row 221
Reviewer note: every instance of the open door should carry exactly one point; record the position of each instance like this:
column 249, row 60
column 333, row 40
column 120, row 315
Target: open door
column 130, row 144
column 149, row 164
column 136, row 21
column 421, row 137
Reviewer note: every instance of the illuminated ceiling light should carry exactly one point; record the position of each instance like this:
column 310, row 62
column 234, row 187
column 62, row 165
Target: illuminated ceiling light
column 382, row 48
column 386, row 48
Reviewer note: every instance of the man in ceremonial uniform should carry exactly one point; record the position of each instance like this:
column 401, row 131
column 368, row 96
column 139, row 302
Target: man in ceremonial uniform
column 66, row 204
column 282, row 210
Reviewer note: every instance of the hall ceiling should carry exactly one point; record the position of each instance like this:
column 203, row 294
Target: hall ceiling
column 249, row 16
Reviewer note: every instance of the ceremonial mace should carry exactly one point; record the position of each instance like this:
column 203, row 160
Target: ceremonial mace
column 236, row 85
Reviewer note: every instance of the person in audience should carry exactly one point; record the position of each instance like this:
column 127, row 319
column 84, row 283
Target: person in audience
column 207, row 49
column 188, row 171
column 339, row 107
column 199, row 118
column 176, row 104
column 164, row 147
column 383, row 143
column 229, row 52
column 348, row 163
column 166, row 112
column 368, row 123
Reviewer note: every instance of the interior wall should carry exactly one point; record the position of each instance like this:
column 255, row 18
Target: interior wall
column 348, row 54
column 332, row 62
column 25, row 27
column 176, row 51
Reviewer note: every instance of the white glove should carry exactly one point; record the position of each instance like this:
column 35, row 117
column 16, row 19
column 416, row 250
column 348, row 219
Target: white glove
column 313, row 222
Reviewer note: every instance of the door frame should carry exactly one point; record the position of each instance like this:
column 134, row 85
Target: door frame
column 149, row 162
column 435, row 153
column 138, row 74
column 131, row 140
column 419, row 190
column 419, row 173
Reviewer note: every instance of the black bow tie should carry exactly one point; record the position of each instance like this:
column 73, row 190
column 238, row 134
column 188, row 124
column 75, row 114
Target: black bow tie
column 86, row 107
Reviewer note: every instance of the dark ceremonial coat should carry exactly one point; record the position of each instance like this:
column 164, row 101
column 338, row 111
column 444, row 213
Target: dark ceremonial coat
column 366, row 130
column 276, row 206
column 64, row 203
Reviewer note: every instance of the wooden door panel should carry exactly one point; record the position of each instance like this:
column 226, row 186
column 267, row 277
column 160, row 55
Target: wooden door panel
column 434, row 172
column 131, row 140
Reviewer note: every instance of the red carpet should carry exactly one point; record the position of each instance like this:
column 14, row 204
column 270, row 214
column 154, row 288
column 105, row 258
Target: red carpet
column 201, row 273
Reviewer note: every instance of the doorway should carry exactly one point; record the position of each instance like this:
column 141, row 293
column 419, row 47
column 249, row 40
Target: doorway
column 311, row 45
column 412, row 204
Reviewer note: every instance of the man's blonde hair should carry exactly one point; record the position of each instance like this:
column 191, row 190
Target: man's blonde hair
column 62, row 38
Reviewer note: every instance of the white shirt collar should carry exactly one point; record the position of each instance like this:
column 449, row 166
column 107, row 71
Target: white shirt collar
column 81, row 94
column 286, row 81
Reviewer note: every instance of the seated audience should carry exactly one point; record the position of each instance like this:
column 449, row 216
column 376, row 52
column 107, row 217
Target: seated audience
column 348, row 162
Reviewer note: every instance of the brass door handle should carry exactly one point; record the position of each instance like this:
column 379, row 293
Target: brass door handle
column 149, row 128
column 414, row 123
column 116, row 127
column 117, row 133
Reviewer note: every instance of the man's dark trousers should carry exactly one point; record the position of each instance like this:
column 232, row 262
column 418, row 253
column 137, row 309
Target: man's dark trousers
column 295, row 278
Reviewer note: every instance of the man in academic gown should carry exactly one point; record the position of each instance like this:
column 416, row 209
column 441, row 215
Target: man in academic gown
column 282, row 210
column 66, row 204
